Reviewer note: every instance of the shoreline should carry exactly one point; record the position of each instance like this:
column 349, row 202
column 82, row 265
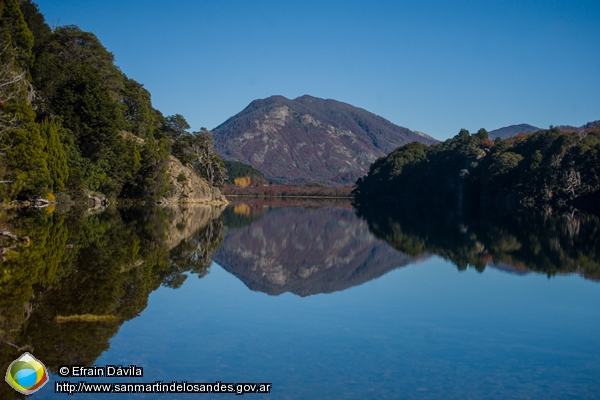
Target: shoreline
column 288, row 196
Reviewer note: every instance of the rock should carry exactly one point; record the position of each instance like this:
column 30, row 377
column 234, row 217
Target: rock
column 188, row 187
column 98, row 203
column 186, row 220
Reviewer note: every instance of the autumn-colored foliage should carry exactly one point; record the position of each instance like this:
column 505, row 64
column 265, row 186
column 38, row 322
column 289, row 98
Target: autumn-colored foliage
column 244, row 181
column 242, row 209
column 487, row 143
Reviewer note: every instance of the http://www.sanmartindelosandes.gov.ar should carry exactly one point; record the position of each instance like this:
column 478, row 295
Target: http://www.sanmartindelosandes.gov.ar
column 26, row 374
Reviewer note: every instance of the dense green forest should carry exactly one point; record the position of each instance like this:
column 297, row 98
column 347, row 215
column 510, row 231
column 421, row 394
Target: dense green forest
column 72, row 122
column 237, row 169
column 546, row 168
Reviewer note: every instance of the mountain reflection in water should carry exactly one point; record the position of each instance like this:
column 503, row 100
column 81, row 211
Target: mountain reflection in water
column 304, row 251
column 66, row 290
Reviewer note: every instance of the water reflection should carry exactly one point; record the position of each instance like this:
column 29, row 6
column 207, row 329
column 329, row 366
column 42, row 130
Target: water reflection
column 70, row 280
column 67, row 289
column 303, row 251
column 550, row 243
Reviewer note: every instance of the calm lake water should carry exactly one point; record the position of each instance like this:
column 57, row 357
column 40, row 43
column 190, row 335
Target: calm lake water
column 313, row 298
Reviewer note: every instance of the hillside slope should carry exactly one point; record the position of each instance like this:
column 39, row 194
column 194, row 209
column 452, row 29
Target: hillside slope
column 512, row 130
column 309, row 139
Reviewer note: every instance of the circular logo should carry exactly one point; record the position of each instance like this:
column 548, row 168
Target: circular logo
column 26, row 374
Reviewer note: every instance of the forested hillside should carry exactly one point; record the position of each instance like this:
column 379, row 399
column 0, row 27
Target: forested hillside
column 243, row 174
column 544, row 168
column 72, row 122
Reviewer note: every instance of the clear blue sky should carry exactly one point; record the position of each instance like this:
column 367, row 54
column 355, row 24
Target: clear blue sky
column 433, row 66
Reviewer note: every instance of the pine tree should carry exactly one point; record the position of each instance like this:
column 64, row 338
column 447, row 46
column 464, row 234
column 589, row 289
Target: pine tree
column 55, row 156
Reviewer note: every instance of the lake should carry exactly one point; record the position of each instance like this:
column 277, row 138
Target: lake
column 315, row 298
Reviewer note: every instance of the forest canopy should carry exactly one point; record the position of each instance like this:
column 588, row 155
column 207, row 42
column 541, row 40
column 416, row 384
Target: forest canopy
column 530, row 170
column 72, row 122
column 244, row 173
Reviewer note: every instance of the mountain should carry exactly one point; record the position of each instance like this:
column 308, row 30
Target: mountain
column 307, row 252
column 512, row 130
column 309, row 139
column 587, row 127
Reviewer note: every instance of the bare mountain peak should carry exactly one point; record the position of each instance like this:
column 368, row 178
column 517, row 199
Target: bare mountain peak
column 424, row 135
column 280, row 112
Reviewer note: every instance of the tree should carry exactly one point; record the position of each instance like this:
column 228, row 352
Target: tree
column 482, row 134
column 35, row 22
column 207, row 162
column 176, row 125
column 62, row 57
column 197, row 149
column 137, row 110
column 89, row 112
column 25, row 165
column 16, row 42
column 151, row 179
column 242, row 181
column 55, row 156
column 463, row 134
column 12, row 82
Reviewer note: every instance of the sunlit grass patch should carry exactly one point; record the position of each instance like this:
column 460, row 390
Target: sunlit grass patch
column 85, row 318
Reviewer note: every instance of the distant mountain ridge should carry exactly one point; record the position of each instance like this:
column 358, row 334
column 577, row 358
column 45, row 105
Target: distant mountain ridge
column 582, row 128
column 514, row 130
column 309, row 139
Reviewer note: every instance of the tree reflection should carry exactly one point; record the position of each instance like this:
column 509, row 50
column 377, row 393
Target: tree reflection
column 102, row 266
column 547, row 242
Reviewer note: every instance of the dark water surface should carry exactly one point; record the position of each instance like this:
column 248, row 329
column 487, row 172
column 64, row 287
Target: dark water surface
column 315, row 300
